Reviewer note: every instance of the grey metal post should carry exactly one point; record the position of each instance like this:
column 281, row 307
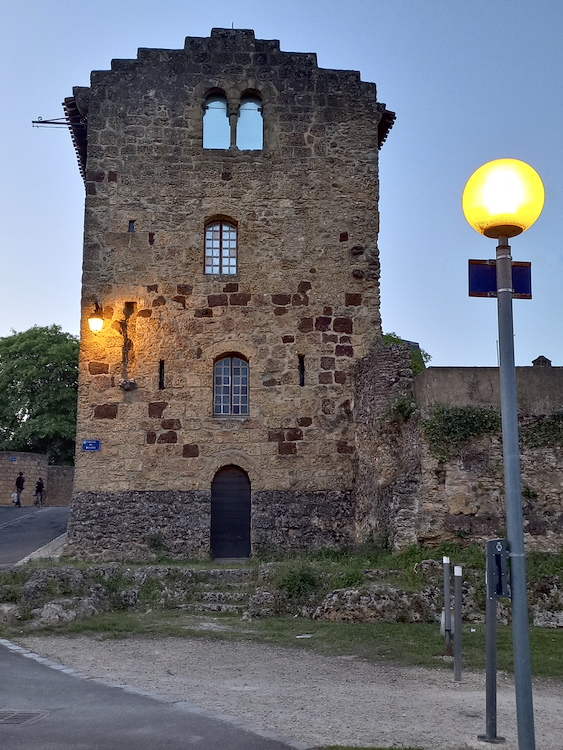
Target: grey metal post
column 447, row 606
column 457, row 628
column 491, row 660
column 514, row 515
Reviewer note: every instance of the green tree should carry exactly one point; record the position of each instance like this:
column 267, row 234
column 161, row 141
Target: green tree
column 419, row 357
column 39, row 384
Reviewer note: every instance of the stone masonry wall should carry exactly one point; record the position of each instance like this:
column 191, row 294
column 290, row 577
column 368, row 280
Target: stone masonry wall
column 539, row 390
column 463, row 497
column 33, row 466
column 59, row 485
column 58, row 480
column 388, row 479
column 407, row 495
column 139, row 525
column 306, row 291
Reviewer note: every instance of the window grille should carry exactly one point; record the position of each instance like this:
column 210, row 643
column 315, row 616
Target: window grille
column 230, row 387
column 220, row 248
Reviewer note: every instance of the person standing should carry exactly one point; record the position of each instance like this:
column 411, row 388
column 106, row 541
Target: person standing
column 39, row 487
column 19, row 488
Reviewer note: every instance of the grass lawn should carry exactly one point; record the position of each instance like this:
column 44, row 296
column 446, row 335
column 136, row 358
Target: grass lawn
column 417, row 644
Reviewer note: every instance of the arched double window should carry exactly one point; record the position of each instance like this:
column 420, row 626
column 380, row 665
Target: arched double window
column 230, row 386
column 220, row 247
column 243, row 128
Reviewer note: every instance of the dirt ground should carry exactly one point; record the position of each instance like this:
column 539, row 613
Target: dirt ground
column 317, row 699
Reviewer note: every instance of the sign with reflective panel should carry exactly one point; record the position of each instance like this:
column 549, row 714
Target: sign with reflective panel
column 483, row 279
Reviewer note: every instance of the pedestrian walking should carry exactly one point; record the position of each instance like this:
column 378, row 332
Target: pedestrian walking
column 39, row 487
column 20, row 481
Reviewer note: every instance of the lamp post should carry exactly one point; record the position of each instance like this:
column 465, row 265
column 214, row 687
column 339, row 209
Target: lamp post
column 501, row 200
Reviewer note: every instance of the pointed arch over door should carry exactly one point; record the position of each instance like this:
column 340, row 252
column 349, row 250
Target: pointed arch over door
column 230, row 513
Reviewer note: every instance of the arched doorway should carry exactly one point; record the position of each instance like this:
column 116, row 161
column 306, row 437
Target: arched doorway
column 230, row 513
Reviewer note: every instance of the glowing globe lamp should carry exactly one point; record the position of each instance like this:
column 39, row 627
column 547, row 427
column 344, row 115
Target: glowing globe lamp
column 503, row 198
column 95, row 321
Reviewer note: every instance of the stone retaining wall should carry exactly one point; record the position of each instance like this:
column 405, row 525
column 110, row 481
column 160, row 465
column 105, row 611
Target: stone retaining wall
column 463, row 498
column 58, row 480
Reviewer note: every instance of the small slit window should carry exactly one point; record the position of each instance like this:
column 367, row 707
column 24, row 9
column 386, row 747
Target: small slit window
column 216, row 126
column 220, row 248
column 250, row 125
column 230, row 388
column 301, row 370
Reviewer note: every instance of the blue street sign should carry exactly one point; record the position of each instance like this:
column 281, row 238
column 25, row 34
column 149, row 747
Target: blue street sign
column 90, row 445
column 483, row 279
column 13, row 459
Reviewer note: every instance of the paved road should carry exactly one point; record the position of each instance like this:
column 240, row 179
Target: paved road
column 79, row 714
column 23, row 530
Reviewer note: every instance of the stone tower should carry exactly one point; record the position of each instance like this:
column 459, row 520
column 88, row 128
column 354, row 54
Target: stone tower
column 230, row 246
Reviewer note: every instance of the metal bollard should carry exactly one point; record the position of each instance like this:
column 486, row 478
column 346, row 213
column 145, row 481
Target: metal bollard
column 457, row 619
column 447, row 607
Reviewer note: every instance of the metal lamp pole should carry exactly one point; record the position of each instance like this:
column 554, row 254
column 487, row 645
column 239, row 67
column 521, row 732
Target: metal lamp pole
column 502, row 199
column 513, row 490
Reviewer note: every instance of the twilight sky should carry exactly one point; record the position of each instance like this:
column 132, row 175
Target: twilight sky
column 469, row 81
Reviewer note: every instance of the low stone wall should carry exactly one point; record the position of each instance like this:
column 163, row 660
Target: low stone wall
column 380, row 603
column 32, row 465
column 58, row 480
column 59, row 484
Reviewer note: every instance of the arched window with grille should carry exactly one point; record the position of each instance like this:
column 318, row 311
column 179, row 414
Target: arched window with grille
column 220, row 247
column 250, row 125
column 230, row 386
column 216, row 125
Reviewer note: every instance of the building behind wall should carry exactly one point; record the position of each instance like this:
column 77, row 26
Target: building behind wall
column 231, row 245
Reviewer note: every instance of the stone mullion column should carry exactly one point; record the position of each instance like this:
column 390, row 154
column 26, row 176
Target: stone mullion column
column 233, row 118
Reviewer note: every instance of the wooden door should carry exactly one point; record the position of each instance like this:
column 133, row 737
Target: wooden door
column 230, row 513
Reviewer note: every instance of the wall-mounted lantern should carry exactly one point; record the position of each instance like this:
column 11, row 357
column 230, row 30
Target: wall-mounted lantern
column 95, row 319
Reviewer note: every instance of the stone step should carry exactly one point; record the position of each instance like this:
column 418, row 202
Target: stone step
column 228, row 575
column 214, row 607
column 236, row 587
column 223, row 597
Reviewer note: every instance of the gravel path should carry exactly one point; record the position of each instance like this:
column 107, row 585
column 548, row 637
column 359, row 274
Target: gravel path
column 321, row 700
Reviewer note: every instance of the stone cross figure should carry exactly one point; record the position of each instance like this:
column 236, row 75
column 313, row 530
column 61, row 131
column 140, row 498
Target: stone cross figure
column 19, row 487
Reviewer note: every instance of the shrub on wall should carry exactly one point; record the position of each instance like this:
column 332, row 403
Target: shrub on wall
column 451, row 427
column 419, row 357
column 546, row 432
column 401, row 409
